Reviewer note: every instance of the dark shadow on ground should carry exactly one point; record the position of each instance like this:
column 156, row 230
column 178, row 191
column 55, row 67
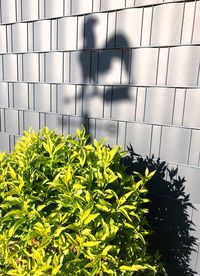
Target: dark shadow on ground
column 168, row 214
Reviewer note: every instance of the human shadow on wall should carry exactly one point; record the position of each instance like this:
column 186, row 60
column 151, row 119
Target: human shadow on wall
column 103, row 64
column 168, row 214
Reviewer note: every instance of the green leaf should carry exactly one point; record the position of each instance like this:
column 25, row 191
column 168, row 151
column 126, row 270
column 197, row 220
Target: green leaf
column 124, row 212
column 132, row 268
column 90, row 218
column 16, row 226
column 91, row 243
column 103, row 208
column 123, row 199
column 59, row 231
column 70, row 238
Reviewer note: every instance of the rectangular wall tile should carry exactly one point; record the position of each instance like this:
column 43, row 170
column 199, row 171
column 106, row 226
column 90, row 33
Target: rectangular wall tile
column 4, row 142
column 174, row 140
column 54, row 34
column 11, row 95
column 96, row 5
column 110, row 36
column 93, row 97
column 31, row 119
column 188, row 22
column 146, row 26
column 31, row 67
column 4, row 94
column 9, row 41
column 121, row 131
column 11, row 121
column 8, row 11
column 29, row 10
column 19, row 36
column 30, row 41
column 42, row 35
column 42, row 97
column 80, row 67
column 67, row 33
column 54, row 121
column 123, row 103
column 67, row 7
column 183, row 66
column 3, row 46
column 179, row 106
column 155, row 141
column 53, row 67
column 53, row 8
column 20, row 95
column 79, row 6
column 192, row 110
column 66, row 99
column 159, row 105
column 108, row 129
column 163, row 66
column 74, row 123
column 196, row 35
column 137, row 132
column 128, row 28
column 140, row 104
column 80, row 30
column 143, row 66
column 167, row 24
column 194, row 154
column 109, row 4
column 10, row 67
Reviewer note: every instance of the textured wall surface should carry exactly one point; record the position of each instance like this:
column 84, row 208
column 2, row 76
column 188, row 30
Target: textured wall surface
column 129, row 69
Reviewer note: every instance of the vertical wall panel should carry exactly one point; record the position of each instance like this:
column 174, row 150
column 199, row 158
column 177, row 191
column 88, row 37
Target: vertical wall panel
column 128, row 29
column 192, row 110
column 159, row 105
column 4, row 94
column 67, row 33
column 10, row 67
column 143, row 66
column 29, row 10
column 19, row 36
column 79, row 6
column 2, row 38
column 183, row 66
column 53, row 8
column 174, row 140
column 8, row 11
column 54, row 67
column 41, row 35
column 20, row 100
column 167, row 21
column 66, row 99
column 136, row 132
column 31, row 67
column 109, row 4
column 42, row 97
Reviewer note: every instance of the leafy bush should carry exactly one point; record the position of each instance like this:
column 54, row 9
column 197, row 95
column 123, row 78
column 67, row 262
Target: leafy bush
column 69, row 208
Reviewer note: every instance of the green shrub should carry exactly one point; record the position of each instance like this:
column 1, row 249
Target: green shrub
column 69, row 208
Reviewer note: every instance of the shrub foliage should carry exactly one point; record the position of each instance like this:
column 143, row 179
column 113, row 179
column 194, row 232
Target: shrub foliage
column 69, row 208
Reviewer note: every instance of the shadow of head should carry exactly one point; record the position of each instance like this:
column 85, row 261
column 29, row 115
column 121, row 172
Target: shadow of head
column 168, row 215
column 89, row 32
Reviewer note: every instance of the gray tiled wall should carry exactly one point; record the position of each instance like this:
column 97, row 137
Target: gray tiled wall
column 128, row 69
